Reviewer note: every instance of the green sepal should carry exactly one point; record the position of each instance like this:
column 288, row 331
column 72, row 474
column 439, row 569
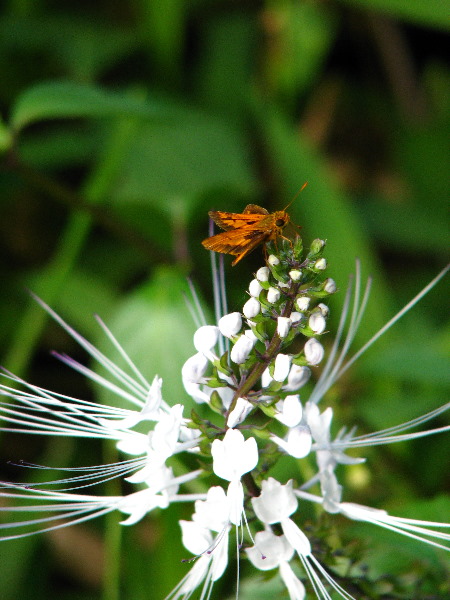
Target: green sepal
column 260, row 331
column 316, row 248
column 223, row 365
column 215, row 382
column 205, row 447
column 274, row 386
column 300, row 360
column 262, row 434
column 280, row 272
column 215, row 402
column 197, row 421
column 318, row 293
column 297, row 249
column 265, row 285
column 269, row 410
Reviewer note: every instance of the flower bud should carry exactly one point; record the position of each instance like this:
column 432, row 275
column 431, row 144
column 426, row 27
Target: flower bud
column 241, row 349
column 298, row 376
column 317, row 246
column 296, row 317
column 239, row 413
column 324, row 309
column 330, row 286
column 295, row 274
column 282, row 366
column 273, row 260
column 262, row 274
column 313, row 351
column 303, row 303
column 317, row 322
column 205, row 338
column 273, row 295
column 321, row 264
column 283, row 326
column 254, row 288
column 251, row 336
column 230, row 324
column 251, row 308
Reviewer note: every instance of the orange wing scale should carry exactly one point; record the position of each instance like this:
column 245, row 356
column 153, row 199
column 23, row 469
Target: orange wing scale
column 244, row 231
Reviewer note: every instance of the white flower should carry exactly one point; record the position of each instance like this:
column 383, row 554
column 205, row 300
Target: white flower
column 282, row 366
column 276, row 501
column 298, row 376
column 290, row 411
column 233, row 457
column 192, row 374
column 271, row 551
column 296, row 443
column 211, row 515
column 273, row 260
column 242, row 409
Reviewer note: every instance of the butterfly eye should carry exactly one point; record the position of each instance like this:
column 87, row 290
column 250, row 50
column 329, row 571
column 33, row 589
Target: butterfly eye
column 280, row 222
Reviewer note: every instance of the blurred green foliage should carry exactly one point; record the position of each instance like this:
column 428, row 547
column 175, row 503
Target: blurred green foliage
column 123, row 123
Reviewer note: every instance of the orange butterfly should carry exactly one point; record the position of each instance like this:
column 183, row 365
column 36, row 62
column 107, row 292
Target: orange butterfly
column 244, row 231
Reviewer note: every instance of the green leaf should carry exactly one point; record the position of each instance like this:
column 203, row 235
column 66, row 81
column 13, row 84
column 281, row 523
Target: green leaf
column 425, row 12
column 66, row 99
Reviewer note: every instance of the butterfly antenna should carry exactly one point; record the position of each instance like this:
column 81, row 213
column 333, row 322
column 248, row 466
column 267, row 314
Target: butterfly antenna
column 297, row 194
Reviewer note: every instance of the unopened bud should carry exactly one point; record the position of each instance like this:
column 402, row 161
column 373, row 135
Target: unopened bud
column 324, row 309
column 273, row 295
column 251, row 308
column 273, row 260
column 314, row 351
column 303, row 303
column 317, row 246
column 230, row 324
column 317, row 322
column 330, row 286
column 262, row 274
column 241, row 349
column 321, row 264
column 283, row 326
column 254, row 288
column 295, row 274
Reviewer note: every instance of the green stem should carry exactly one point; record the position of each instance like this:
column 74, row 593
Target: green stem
column 249, row 382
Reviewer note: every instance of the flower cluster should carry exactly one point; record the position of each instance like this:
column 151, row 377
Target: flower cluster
column 245, row 377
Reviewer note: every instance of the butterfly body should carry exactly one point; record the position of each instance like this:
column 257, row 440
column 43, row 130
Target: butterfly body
column 245, row 231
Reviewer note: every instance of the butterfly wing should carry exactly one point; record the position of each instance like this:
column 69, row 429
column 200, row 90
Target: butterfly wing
column 238, row 242
column 251, row 217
